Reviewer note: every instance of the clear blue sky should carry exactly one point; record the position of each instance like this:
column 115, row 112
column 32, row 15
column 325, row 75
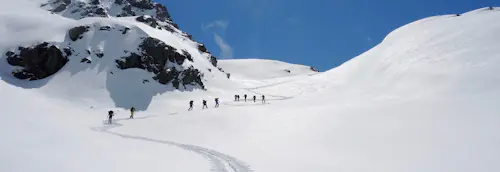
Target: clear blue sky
column 319, row 33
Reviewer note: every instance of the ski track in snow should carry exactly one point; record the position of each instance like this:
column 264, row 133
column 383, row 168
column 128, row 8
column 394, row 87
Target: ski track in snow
column 220, row 162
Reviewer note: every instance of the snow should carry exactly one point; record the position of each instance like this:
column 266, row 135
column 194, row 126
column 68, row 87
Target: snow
column 425, row 99
column 261, row 69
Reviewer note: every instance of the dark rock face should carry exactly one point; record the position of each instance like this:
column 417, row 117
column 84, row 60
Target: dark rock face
column 147, row 20
column 39, row 61
column 314, row 69
column 77, row 32
column 154, row 23
column 213, row 60
column 202, row 48
column 85, row 60
column 108, row 28
column 192, row 76
column 155, row 57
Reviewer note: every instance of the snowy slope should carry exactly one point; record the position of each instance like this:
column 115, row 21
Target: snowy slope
column 260, row 69
column 425, row 99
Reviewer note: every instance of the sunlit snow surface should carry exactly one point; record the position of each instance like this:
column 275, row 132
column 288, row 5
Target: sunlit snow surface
column 425, row 99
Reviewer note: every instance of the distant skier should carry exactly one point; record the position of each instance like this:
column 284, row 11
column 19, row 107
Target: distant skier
column 235, row 97
column 254, row 98
column 217, row 102
column 204, row 104
column 191, row 105
column 110, row 116
column 245, row 97
column 238, row 97
column 263, row 99
column 132, row 110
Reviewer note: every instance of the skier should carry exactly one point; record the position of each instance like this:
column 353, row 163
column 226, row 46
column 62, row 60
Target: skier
column 132, row 110
column 238, row 97
column 110, row 116
column 254, row 98
column 235, row 97
column 263, row 99
column 245, row 97
column 216, row 102
column 191, row 105
column 205, row 104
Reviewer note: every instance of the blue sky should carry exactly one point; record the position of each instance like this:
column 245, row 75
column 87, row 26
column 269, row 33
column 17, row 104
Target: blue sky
column 319, row 33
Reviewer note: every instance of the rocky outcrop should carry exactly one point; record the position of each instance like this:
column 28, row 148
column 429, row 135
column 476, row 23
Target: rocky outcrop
column 96, row 8
column 77, row 32
column 314, row 69
column 213, row 60
column 164, row 61
column 37, row 62
column 154, row 23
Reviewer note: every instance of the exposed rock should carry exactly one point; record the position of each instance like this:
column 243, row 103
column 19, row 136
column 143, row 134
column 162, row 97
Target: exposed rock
column 202, row 48
column 154, row 57
column 314, row 69
column 132, row 61
column 119, row 2
column 77, row 32
column 101, row 12
column 108, row 28
column 147, row 20
column 13, row 59
column 165, row 76
column 192, row 76
column 39, row 61
column 95, row 2
column 213, row 60
column 125, row 30
column 188, row 56
column 287, row 71
column 162, row 12
column 85, row 60
column 143, row 4
column 68, row 51
column 99, row 54
column 60, row 8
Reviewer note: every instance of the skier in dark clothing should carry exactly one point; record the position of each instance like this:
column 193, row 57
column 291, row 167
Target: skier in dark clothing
column 245, row 97
column 132, row 110
column 263, row 99
column 254, row 98
column 216, row 102
column 235, row 97
column 191, row 105
column 110, row 116
column 238, row 97
column 205, row 104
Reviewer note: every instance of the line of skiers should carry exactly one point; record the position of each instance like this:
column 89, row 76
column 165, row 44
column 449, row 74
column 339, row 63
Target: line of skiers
column 191, row 105
column 237, row 98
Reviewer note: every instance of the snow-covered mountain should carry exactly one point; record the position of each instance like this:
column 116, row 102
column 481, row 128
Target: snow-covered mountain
column 425, row 99
column 146, row 55
column 150, row 42
column 261, row 69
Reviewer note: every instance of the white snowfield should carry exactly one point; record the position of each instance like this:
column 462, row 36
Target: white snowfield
column 425, row 99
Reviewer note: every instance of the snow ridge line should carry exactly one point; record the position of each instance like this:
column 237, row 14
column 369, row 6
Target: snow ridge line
column 220, row 162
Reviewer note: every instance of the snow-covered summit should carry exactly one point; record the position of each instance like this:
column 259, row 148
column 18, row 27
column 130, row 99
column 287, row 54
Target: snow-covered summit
column 260, row 69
